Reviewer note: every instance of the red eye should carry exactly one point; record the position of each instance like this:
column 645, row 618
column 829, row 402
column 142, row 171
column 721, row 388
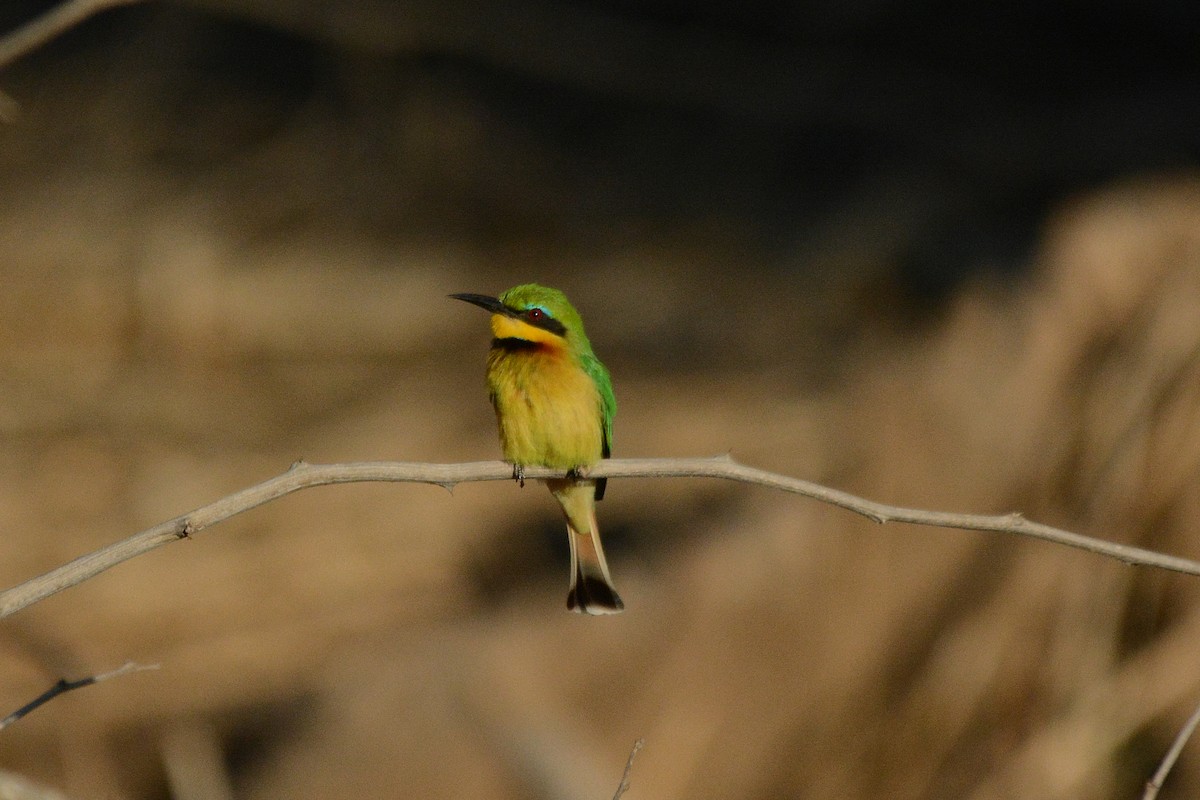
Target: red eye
column 534, row 314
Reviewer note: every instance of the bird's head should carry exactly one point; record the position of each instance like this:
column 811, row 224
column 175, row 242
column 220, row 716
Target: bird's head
column 533, row 313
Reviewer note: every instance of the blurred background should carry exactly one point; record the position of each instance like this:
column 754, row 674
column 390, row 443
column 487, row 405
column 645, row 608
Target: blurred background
column 941, row 255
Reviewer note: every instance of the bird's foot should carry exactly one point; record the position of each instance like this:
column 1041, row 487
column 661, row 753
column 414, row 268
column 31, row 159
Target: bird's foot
column 576, row 473
column 519, row 474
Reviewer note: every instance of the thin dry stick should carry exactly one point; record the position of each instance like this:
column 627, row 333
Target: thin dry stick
column 53, row 23
column 303, row 476
column 63, row 686
column 1160, row 775
column 624, row 787
column 38, row 32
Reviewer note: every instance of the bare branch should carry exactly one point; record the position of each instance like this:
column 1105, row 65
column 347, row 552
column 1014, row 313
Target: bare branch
column 1160, row 775
column 53, row 23
column 63, row 686
column 624, row 787
column 302, row 476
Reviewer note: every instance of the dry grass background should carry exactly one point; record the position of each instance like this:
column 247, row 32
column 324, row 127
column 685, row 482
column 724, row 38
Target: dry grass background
column 165, row 341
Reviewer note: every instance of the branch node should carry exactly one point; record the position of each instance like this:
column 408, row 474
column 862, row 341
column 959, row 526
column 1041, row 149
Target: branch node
column 299, row 463
column 62, row 685
column 184, row 528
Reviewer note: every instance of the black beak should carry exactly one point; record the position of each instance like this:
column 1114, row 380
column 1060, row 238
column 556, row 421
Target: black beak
column 483, row 301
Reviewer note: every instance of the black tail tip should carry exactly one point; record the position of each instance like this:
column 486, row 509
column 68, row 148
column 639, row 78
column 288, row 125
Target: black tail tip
column 594, row 596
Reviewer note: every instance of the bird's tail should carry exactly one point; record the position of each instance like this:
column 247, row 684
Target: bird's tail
column 591, row 589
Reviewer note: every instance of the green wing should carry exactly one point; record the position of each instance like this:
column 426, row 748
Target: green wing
column 608, row 403
column 608, row 407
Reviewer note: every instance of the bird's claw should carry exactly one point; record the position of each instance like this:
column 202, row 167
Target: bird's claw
column 519, row 474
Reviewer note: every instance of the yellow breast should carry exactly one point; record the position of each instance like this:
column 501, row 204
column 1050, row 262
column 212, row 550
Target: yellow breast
column 547, row 407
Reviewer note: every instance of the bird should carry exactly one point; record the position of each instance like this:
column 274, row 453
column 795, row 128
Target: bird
column 554, row 407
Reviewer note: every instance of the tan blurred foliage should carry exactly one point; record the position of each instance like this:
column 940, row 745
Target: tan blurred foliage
column 384, row 640
column 165, row 340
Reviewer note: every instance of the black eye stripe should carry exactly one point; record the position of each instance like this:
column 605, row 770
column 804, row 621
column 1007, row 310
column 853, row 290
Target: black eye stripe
column 542, row 319
column 549, row 323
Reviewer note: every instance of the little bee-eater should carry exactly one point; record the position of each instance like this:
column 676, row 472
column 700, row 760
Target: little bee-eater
column 555, row 406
